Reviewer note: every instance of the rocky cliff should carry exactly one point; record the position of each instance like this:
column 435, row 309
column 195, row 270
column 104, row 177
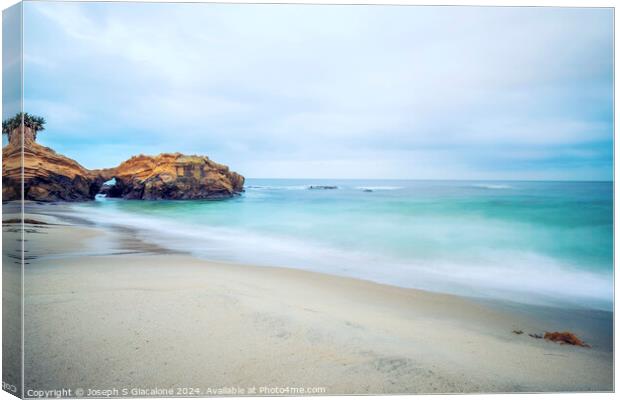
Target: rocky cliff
column 172, row 176
column 49, row 176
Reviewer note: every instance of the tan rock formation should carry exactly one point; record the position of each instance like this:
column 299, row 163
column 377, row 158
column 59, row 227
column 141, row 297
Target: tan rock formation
column 172, row 176
column 49, row 176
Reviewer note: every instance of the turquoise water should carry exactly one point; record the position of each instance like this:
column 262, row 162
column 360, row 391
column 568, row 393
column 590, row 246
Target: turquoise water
column 535, row 242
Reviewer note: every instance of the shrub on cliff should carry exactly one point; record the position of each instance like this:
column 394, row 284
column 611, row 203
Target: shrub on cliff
column 31, row 121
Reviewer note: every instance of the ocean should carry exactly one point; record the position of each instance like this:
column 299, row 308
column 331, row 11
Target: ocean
column 548, row 243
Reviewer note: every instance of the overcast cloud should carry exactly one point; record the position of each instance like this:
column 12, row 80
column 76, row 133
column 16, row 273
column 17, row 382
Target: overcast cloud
column 327, row 91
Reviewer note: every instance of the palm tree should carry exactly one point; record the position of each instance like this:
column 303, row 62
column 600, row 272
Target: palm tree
column 33, row 122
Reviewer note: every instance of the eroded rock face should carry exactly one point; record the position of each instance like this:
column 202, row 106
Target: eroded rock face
column 49, row 176
column 172, row 176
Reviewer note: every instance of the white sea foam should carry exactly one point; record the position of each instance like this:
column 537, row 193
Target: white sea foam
column 379, row 187
column 277, row 187
column 510, row 275
column 491, row 186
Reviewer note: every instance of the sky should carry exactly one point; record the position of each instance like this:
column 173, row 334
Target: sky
column 308, row 91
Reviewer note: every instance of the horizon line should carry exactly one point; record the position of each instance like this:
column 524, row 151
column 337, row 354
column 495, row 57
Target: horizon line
column 443, row 179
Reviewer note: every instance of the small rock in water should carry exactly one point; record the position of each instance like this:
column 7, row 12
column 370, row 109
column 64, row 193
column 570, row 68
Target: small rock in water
column 565, row 338
column 535, row 335
column 517, row 332
column 315, row 187
column 368, row 190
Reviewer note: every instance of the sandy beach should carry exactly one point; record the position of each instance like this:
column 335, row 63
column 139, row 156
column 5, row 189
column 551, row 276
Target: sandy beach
column 343, row 198
column 104, row 311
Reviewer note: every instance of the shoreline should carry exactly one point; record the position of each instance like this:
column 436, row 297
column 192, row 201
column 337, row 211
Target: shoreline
column 248, row 248
column 285, row 327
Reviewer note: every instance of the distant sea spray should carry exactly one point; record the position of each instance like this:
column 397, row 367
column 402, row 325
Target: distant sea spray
column 491, row 186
